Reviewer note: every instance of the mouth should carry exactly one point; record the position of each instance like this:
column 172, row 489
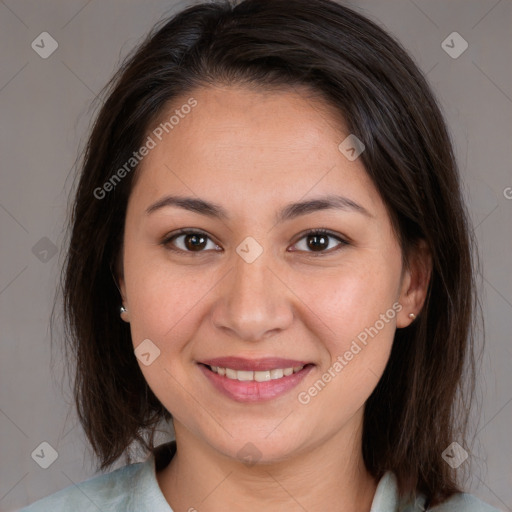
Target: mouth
column 245, row 380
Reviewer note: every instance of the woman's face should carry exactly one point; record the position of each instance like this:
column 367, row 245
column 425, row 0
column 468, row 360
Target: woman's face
column 251, row 285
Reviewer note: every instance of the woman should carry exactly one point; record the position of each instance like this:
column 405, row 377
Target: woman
column 269, row 248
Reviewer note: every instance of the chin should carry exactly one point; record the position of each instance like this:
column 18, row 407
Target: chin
column 257, row 449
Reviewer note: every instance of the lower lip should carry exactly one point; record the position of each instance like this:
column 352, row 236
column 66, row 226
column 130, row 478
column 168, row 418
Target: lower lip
column 252, row 391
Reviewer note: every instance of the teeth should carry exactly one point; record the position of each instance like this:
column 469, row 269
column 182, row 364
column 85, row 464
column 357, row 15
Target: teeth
column 244, row 375
column 276, row 374
column 231, row 374
column 260, row 376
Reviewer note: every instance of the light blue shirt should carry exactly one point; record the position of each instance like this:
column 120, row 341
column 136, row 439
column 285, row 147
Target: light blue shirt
column 134, row 488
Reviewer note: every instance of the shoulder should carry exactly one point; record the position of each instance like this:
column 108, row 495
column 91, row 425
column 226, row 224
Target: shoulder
column 388, row 499
column 110, row 491
column 463, row 502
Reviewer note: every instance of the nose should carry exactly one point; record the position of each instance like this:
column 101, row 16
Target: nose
column 254, row 301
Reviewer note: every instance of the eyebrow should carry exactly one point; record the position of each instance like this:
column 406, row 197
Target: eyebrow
column 289, row 212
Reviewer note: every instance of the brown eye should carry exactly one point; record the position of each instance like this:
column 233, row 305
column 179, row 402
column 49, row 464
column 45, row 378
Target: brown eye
column 193, row 242
column 188, row 241
column 319, row 241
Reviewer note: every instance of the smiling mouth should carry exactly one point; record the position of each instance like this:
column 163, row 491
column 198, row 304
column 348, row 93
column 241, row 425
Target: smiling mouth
column 254, row 380
column 257, row 376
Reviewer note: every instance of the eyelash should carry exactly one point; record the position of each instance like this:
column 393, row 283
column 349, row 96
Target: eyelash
column 166, row 242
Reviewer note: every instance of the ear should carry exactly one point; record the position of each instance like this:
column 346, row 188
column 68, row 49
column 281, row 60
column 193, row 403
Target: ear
column 415, row 282
column 122, row 287
column 118, row 274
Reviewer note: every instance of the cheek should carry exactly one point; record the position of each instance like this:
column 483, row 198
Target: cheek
column 163, row 301
column 358, row 309
column 151, row 287
column 353, row 298
column 165, row 308
column 359, row 306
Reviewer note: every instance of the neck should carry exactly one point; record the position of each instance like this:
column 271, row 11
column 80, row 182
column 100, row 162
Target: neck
column 333, row 472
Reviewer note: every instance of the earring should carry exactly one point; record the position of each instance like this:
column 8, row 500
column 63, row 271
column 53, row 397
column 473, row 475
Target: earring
column 412, row 316
column 122, row 310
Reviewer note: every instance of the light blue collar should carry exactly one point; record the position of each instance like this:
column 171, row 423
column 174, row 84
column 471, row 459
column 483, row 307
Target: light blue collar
column 386, row 497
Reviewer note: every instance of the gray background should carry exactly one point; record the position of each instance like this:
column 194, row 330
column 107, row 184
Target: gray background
column 45, row 109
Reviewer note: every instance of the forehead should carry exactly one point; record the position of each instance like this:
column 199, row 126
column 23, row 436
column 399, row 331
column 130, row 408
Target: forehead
column 230, row 117
column 240, row 142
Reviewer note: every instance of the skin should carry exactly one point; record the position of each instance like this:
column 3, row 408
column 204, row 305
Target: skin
column 253, row 152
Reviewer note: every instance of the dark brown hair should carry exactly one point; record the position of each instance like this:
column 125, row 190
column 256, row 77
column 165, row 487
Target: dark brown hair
column 416, row 410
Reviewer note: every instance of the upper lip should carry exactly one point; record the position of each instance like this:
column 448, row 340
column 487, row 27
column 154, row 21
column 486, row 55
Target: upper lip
column 240, row 363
